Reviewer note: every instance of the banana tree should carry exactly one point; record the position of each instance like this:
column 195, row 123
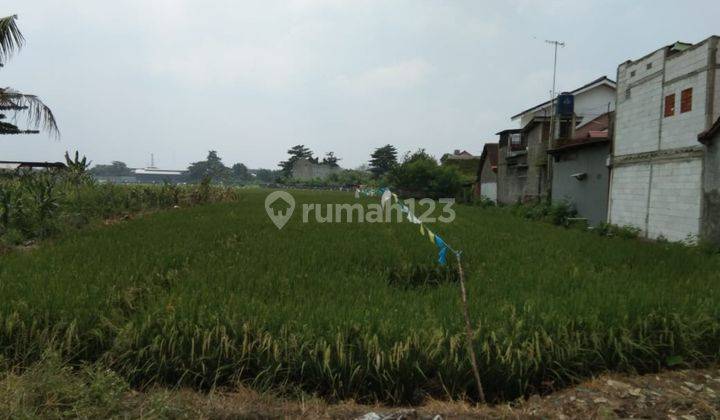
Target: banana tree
column 38, row 114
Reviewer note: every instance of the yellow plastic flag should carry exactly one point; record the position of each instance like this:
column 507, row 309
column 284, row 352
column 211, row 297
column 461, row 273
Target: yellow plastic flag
column 431, row 236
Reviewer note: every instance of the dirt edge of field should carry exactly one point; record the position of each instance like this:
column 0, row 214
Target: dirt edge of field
column 53, row 389
column 684, row 394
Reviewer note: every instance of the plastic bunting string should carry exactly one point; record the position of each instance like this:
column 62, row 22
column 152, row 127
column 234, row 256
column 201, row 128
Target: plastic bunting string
column 367, row 192
column 388, row 197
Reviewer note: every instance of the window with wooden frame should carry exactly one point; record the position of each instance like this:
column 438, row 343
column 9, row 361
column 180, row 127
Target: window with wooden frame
column 670, row 105
column 516, row 142
column 686, row 100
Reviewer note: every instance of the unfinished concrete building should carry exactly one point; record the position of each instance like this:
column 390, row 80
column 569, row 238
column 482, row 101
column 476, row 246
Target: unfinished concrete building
column 665, row 181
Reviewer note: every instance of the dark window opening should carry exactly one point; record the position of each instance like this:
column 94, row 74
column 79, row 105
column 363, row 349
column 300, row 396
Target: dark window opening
column 649, row 66
column 565, row 129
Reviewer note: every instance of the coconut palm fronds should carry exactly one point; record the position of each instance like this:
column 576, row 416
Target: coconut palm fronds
column 38, row 114
column 11, row 39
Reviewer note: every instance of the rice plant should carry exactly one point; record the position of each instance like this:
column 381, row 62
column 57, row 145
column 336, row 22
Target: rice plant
column 216, row 295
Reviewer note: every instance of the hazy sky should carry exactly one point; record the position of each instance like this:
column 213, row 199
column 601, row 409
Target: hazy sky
column 250, row 79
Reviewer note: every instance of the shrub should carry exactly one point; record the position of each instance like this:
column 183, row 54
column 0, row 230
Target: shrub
column 39, row 204
column 556, row 213
column 610, row 230
column 52, row 389
column 420, row 176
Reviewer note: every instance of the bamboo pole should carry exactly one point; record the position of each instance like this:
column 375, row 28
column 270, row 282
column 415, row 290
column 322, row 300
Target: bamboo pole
column 468, row 330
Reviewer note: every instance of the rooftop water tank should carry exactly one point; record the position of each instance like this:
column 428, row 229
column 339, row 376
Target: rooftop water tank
column 565, row 104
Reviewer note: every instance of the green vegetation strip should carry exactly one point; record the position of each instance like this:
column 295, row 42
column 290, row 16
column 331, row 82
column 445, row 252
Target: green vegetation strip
column 215, row 295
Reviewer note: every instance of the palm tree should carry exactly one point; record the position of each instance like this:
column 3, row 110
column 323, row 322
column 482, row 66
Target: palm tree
column 38, row 114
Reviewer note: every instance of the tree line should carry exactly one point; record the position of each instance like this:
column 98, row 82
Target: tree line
column 415, row 173
column 212, row 167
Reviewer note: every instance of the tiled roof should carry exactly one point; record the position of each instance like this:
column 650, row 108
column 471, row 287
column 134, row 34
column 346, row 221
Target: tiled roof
column 464, row 155
column 707, row 136
column 490, row 155
column 593, row 132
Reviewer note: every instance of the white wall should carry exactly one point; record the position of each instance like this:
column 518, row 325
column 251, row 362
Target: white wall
column 589, row 104
column 674, row 211
column 595, row 102
column 638, row 115
column 663, row 198
column 681, row 130
column 629, row 195
column 675, row 200
column 489, row 190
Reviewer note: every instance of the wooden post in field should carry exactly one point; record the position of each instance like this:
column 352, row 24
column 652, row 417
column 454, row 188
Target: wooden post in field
column 468, row 331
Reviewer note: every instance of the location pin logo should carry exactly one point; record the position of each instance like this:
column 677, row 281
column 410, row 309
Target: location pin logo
column 281, row 214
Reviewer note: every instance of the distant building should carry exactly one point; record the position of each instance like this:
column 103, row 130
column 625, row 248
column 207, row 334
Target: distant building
column 523, row 170
column 664, row 181
column 11, row 166
column 464, row 161
column 149, row 175
column 486, row 185
column 581, row 176
column 152, row 175
column 306, row 170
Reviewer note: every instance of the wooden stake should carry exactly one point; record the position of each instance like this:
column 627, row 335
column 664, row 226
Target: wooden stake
column 468, row 331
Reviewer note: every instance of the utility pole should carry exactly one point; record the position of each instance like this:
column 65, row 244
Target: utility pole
column 551, row 134
column 555, row 44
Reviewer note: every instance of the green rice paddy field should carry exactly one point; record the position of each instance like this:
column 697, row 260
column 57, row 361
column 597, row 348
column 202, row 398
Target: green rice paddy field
column 216, row 295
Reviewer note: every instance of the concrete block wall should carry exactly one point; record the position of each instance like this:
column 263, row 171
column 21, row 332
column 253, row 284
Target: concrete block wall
column 536, row 183
column 639, row 105
column 629, row 195
column 662, row 194
column 681, row 129
column 675, row 200
column 683, row 71
column 681, row 64
column 514, row 185
column 502, row 190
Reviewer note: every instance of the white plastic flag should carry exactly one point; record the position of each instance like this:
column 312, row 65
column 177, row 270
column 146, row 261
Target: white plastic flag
column 385, row 199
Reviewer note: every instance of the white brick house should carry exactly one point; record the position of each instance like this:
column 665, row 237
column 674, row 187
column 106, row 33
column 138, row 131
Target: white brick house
column 664, row 101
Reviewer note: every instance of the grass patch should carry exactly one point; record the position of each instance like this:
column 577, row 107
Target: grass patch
column 216, row 295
